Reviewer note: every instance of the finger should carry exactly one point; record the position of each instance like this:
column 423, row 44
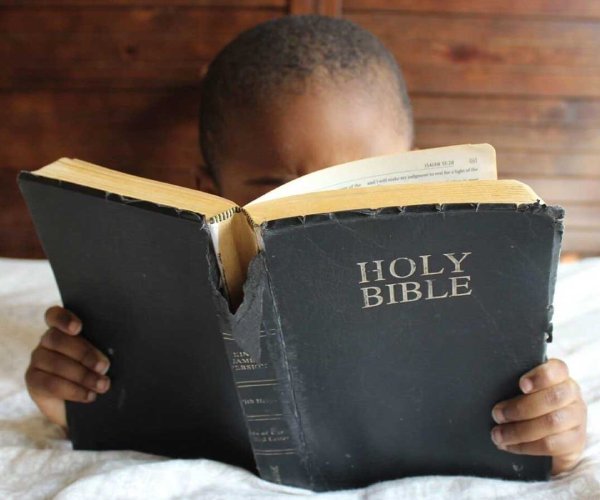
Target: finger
column 76, row 348
column 552, row 372
column 551, row 423
column 57, row 364
column 526, row 407
column 51, row 385
column 566, row 462
column 63, row 319
column 563, row 444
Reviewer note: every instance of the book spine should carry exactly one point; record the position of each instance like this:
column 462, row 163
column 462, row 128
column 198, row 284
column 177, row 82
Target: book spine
column 262, row 396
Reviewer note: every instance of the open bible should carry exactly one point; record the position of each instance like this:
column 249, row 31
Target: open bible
column 354, row 325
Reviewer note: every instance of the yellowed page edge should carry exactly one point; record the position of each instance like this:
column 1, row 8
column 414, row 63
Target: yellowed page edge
column 132, row 186
column 485, row 191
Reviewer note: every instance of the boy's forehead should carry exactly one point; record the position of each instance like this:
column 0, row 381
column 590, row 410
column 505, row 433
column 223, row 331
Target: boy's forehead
column 324, row 126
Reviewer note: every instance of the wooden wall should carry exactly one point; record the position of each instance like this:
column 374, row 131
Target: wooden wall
column 116, row 83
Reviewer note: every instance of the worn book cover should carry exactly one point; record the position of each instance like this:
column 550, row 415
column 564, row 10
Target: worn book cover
column 347, row 328
column 140, row 277
column 390, row 334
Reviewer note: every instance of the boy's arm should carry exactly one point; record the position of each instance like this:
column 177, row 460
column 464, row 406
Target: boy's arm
column 64, row 366
column 549, row 418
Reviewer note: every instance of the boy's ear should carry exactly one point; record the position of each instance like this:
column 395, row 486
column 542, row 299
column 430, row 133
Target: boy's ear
column 205, row 180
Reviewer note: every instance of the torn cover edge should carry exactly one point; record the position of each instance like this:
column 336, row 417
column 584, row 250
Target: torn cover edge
column 557, row 214
column 257, row 309
column 245, row 323
column 299, row 472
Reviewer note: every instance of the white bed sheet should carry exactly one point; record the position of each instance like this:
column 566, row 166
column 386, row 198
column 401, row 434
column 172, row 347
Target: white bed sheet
column 37, row 462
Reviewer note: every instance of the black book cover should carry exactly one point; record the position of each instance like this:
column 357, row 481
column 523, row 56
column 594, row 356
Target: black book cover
column 142, row 278
column 371, row 344
column 393, row 333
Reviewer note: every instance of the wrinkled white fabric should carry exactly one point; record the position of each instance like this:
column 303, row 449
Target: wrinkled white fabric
column 37, row 462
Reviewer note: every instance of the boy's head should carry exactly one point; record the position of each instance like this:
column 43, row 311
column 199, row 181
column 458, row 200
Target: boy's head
column 295, row 95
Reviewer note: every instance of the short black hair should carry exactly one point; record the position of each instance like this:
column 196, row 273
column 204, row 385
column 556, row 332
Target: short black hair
column 279, row 56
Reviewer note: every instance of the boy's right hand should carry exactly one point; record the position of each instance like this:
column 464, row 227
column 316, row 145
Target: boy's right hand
column 64, row 367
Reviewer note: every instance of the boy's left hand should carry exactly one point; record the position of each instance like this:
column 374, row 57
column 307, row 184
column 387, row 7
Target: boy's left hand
column 549, row 418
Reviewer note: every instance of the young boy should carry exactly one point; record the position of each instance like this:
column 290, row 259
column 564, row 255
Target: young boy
column 286, row 98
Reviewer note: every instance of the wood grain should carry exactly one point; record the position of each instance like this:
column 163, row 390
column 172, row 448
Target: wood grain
column 124, row 130
column 513, row 8
column 153, row 3
column 116, row 83
column 112, row 47
column 535, row 139
column 564, row 112
column 491, row 55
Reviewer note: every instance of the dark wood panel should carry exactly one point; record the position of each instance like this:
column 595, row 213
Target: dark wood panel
column 323, row 7
column 21, row 244
column 565, row 112
column 466, row 55
column 522, row 138
column 149, row 46
column 115, row 47
column 523, row 76
column 138, row 131
column 537, row 8
column 490, row 79
column 17, row 234
column 129, row 3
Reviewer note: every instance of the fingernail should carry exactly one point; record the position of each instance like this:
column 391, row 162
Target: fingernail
column 74, row 327
column 497, row 436
column 498, row 415
column 102, row 367
column 526, row 385
column 102, row 384
column 91, row 396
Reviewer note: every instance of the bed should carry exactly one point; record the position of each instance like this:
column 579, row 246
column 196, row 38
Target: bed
column 36, row 461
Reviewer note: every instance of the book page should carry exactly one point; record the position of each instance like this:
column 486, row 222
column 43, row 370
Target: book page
column 452, row 163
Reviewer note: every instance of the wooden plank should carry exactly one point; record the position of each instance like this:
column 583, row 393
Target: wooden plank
column 329, row 7
column 466, row 55
column 548, row 139
column 512, row 163
column 150, row 47
column 17, row 234
column 582, row 241
column 537, row 8
column 115, row 47
column 564, row 112
column 138, row 131
column 146, row 3
column 300, row 7
column 21, row 244
column 491, row 79
column 583, row 217
column 564, row 191
column 43, row 125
